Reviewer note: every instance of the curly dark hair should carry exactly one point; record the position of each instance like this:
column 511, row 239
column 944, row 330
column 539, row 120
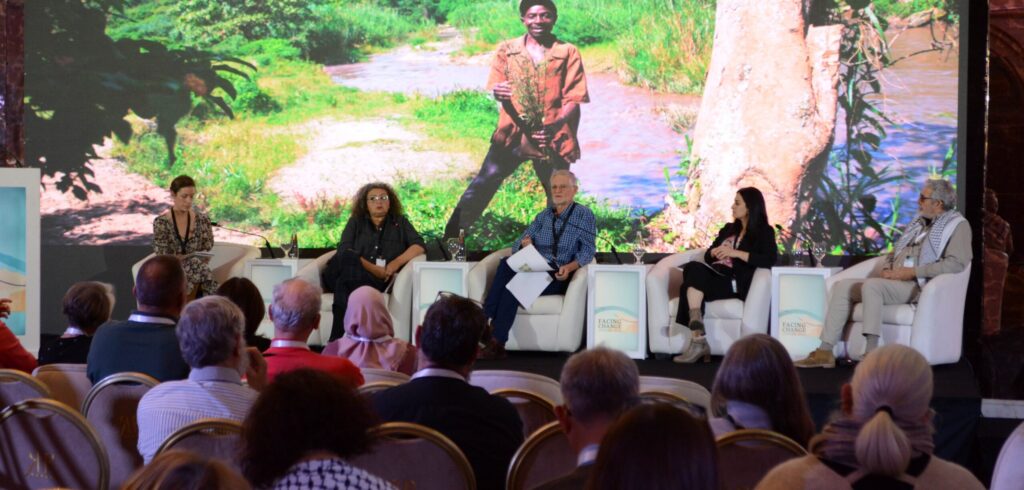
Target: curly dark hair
column 359, row 209
column 300, row 412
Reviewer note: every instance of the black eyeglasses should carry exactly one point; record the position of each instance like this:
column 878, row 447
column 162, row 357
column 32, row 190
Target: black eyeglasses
column 382, row 197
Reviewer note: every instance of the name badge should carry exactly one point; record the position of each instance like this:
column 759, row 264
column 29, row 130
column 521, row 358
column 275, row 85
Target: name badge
column 382, row 263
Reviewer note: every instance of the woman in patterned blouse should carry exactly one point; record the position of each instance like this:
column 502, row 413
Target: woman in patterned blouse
column 184, row 230
column 302, row 431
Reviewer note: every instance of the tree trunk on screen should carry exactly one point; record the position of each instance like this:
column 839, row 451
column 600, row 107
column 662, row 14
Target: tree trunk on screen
column 769, row 110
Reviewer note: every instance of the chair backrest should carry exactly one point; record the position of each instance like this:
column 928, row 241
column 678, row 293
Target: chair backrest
column 16, row 386
column 1009, row 472
column 68, row 383
column 535, row 411
column 45, row 444
column 413, row 456
column 655, row 396
column 544, row 456
column 211, row 438
column 688, row 390
column 496, row 379
column 111, row 408
column 372, row 375
column 746, row 456
column 371, row 388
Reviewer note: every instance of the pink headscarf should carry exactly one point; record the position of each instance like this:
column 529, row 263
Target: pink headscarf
column 368, row 340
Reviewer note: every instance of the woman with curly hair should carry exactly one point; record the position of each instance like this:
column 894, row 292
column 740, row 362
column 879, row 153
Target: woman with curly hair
column 376, row 242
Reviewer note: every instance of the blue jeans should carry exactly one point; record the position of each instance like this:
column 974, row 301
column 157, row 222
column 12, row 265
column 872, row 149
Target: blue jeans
column 501, row 306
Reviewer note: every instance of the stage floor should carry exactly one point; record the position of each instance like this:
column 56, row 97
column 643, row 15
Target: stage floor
column 956, row 399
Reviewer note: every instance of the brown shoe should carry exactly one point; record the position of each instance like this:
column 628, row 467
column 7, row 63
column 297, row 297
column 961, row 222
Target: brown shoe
column 493, row 351
column 817, row 359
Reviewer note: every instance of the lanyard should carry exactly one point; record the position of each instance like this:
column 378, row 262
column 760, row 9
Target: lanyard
column 188, row 225
column 377, row 251
column 554, row 229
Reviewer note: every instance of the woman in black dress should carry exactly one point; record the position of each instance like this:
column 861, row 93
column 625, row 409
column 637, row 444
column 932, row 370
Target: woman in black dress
column 728, row 268
column 377, row 241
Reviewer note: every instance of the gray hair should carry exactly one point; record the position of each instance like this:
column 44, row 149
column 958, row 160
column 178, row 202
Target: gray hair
column 209, row 331
column 942, row 190
column 296, row 304
column 599, row 382
column 565, row 173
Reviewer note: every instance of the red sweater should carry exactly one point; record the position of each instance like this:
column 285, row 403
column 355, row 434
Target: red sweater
column 13, row 355
column 284, row 359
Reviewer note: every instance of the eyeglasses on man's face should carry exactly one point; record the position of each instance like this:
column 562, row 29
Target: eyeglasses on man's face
column 381, row 197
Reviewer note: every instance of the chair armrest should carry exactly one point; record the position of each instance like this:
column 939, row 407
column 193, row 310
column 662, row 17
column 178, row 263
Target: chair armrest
column 311, row 271
column 859, row 271
column 939, row 317
column 757, row 306
column 660, row 281
column 479, row 278
column 400, row 301
column 572, row 321
column 236, row 267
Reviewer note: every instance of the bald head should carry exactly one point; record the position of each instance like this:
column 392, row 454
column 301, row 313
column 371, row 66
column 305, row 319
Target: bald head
column 296, row 307
column 160, row 285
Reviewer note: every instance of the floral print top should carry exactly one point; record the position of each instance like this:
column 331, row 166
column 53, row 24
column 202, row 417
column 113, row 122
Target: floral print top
column 200, row 239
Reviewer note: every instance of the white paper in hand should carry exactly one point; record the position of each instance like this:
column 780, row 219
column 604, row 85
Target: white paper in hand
column 527, row 286
column 528, row 259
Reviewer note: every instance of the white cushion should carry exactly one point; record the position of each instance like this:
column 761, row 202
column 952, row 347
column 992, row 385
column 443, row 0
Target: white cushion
column 545, row 305
column 731, row 309
column 326, row 300
column 891, row 314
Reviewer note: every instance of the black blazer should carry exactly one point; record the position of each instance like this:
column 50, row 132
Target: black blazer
column 762, row 249
column 485, row 427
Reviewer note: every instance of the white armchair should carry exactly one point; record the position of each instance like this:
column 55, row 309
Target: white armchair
column 726, row 320
column 933, row 327
column 399, row 300
column 552, row 323
column 228, row 260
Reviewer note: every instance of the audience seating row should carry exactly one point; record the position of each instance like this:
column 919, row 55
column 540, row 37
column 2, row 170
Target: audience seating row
column 556, row 323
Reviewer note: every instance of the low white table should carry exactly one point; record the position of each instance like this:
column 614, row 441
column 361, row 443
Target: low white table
column 430, row 278
column 267, row 273
column 799, row 300
column 617, row 308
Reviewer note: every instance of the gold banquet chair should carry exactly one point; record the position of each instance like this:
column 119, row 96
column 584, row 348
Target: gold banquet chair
column 212, row 438
column 498, row 379
column 535, row 411
column 369, row 389
column 45, row 443
column 68, row 383
column 111, row 406
column 689, row 391
column 16, row 386
column 413, row 456
column 372, row 375
column 746, row 456
column 544, row 456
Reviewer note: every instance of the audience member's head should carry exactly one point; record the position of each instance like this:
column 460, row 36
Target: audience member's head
column 758, row 370
column 598, row 385
column 243, row 293
column 451, row 333
column 887, row 410
column 656, row 447
column 87, row 305
column 183, row 470
column 302, row 412
column 369, row 334
column 210, row 333
column 160, row 286
column 296, row 309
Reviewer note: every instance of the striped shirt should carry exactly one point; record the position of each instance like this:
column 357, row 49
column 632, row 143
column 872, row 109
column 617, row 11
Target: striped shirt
column 211, row 391
column 575, row 229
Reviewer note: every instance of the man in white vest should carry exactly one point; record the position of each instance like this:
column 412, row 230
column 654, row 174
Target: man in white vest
column 937, row 241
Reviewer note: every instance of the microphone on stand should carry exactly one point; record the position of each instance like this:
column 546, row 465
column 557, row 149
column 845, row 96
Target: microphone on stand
column 265, row 241
column 593, row 235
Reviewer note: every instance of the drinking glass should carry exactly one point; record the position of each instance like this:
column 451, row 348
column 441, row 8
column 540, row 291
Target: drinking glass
column 454, row 247
column 287, row 247
column 820, row 251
